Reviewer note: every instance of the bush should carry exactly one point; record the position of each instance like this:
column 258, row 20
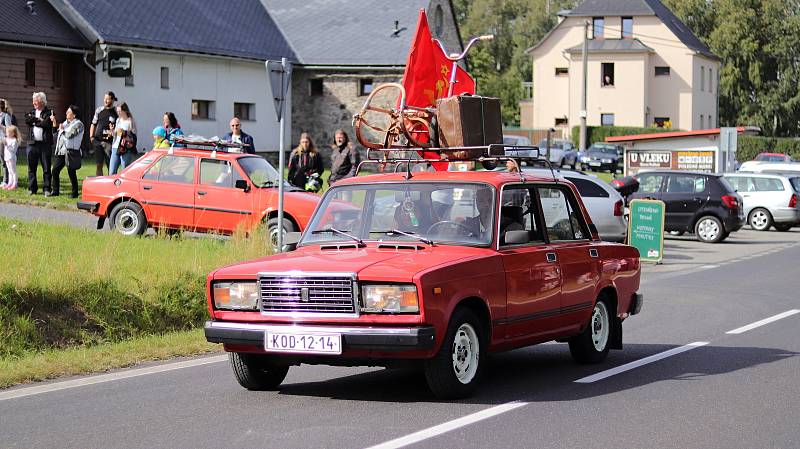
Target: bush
column 749, row 147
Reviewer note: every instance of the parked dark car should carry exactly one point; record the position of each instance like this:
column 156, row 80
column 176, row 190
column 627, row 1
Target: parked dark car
column 702, row 203
column 603, row 156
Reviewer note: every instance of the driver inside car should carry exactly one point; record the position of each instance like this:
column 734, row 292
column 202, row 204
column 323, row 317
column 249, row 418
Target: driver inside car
column 414, row 214
column 482, row 223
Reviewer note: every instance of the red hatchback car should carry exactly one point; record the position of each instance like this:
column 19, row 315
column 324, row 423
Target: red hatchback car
column 197, row 190
column 439, row 269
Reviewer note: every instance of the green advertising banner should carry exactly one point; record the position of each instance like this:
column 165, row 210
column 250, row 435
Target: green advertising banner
column 646, row 229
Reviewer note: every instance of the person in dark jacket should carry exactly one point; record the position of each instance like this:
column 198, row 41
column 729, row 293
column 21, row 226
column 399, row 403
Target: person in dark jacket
column 238, row 136
column 344, row 157
column 40, row 146
column 304, row 162
column 100, row 134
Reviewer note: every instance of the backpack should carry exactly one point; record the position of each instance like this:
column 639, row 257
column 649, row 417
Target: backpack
column 13, row 119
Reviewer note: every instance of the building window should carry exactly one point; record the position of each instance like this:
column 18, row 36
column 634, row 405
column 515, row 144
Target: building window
column 597, row 27
column 245, row 111
column 165, row 77
column 702, row 78
column 561, row 121
column 607, row 74
column 562, row 71
column 662, row 122
column 662, row 71
column 438, row 21
column 58, row 74
column 627, row 27
column 315, row 87
column 710, row 78
column 702, row 122
column 129, row 80
column 365, row 86
column 606, row 119
column 710, row 122
column 202, row 109
column 30, row 72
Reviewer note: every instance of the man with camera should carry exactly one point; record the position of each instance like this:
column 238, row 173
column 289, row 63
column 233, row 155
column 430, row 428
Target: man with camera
column 40, row 142
column 100, row 133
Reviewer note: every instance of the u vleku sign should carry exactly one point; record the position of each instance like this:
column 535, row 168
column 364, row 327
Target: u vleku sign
column 646, row 229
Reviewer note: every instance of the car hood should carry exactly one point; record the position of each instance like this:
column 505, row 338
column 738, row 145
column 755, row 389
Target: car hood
column 394, row 262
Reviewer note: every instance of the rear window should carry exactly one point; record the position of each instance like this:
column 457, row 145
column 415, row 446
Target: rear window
column 588, row 189
column 726, row 186
column 795, row 183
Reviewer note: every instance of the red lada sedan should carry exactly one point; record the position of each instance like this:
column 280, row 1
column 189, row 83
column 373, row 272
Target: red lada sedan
column 439, row 270
column 196, row 190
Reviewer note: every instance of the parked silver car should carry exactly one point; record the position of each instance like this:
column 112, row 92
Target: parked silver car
column 604, row 204
column 769, row 199
column 562, row 152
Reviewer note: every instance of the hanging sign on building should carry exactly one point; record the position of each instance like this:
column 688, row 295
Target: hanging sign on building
column 120, row 63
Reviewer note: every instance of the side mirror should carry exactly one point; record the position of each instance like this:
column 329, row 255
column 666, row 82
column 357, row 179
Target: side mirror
column 242, row 184
column 290, row 240
column 517, row 237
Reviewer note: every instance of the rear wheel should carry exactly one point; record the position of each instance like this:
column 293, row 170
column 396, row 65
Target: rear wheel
column 709, row 229
column 128, row 218
column 760, row 219
column 782, row 227
column 455, row 370
column 592, row 345
column 257, row 372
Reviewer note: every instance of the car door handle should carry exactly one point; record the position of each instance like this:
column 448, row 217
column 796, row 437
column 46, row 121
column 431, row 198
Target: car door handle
column 593, row 253
column 551, row 257
column 147, row 187
column 201, row 193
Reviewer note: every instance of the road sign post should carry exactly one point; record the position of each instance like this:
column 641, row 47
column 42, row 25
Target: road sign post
column 646, row 229
column 280, row 78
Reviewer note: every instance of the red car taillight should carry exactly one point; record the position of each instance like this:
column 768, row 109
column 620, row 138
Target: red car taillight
column 730, row 201
column 793, row 200
column 618, row 208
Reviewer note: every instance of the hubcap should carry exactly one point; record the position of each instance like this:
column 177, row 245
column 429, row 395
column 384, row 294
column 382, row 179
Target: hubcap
column 600, row 326
column 708, row 229
column 758, row 219
column 466, row 350
column 127, row 221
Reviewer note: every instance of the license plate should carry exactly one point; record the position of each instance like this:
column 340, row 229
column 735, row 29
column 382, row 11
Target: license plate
column 302, row 342
column 594, row 164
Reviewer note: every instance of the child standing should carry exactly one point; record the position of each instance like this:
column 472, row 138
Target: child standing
column 10, row 143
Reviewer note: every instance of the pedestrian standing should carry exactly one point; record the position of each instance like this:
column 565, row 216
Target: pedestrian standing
column 344, row 157
column 6, row 119
column 237, row 135
column 124, row 129
column 40, row 142
column 304, row 162
column 11, row 141
column 68, row 150
column 171, row 125
column 100, row 132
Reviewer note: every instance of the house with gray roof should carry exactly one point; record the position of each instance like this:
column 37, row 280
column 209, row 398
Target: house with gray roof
column 645, row 68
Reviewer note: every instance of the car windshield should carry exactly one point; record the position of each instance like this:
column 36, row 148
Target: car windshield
column 771, row 158
column 260, row 172
column 603, row 149
column 432, row 213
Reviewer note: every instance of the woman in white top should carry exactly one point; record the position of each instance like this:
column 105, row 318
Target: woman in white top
column 122, row 157
column 6, row 119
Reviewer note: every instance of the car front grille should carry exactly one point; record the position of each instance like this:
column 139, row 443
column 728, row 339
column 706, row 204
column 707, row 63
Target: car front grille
column 312, row 293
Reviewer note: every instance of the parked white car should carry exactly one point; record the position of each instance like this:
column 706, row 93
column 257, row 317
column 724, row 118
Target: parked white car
column 760, row 167
column 769, row 200
column 604, row 204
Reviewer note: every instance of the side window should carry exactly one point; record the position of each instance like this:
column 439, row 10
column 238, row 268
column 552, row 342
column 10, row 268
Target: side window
column 650, row 183
column 587, row 188
column 214, row 172
column 517, row 215
column 562, row 220
column 152, row 172
column 768, row 184
column 178, row 169
column 685, row 184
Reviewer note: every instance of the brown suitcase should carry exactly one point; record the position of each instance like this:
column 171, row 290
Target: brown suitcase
column 467, row 121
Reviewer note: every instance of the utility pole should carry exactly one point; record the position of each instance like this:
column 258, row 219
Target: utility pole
column 582, row 113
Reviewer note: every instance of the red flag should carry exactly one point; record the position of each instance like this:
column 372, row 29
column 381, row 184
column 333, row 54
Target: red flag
column 427, row 74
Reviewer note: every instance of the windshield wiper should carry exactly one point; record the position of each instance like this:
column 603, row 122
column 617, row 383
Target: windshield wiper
column 267, row 184
column 340, row 232
column 407, row 234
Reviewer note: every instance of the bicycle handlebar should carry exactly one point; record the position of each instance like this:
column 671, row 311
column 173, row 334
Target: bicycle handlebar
column 459, row 56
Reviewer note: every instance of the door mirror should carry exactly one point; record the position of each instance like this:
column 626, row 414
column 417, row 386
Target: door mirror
column 517, row 237
column 242, row 184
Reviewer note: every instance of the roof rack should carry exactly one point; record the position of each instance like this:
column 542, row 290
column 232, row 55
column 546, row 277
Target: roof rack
column 488, row 155
column 213, row 144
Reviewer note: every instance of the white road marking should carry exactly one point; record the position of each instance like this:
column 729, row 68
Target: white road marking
column 635, row 364
column 763, row 322
column 57, row 386
column 434, row 431
column 708, row 267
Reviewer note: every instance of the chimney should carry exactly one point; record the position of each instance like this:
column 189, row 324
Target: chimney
column 31, row 5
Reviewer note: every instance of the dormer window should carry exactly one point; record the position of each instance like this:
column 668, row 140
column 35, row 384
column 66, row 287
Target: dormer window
column 597, row 27
column 627, row 27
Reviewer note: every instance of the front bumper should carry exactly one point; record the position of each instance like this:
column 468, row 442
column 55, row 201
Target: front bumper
column 353, row 338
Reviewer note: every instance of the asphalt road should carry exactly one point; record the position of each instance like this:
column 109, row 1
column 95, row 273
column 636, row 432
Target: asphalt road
column 731, row 387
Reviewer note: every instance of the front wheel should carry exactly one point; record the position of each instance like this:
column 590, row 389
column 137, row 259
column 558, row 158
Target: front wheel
column 592, row 345
column 455, row 370
column 709, row 229
column 128, row 218
column 760, row 219
column 272, row 226
column 255, row 372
